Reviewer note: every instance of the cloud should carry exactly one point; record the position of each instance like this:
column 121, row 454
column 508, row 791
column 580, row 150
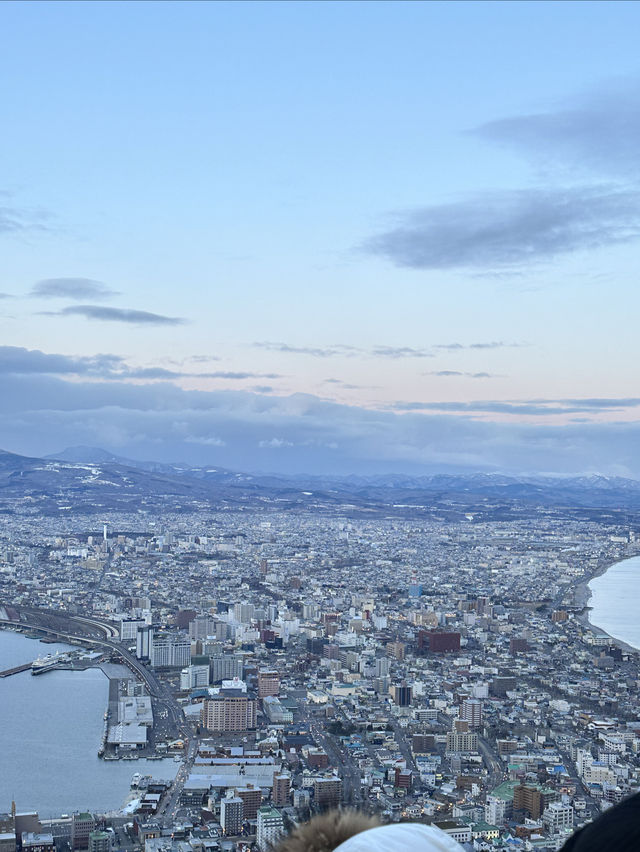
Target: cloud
column 16, row 220
column 17, row 360
column 41, row 413
column 598, row 132
column 400, row 352
column 466, row 375
column 344, row 350
column 510, row 228
column 98, row 312
column 532, row 407
column 314, row 351
column 71, row 288
column 495, row 344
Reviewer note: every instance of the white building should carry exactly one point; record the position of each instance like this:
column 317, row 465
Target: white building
column 558, row 818
column 270, row 827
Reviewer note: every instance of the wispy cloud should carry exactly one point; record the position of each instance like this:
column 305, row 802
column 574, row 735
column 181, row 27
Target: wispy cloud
column 314, row 351
column 494, row 344
column 598, row 132
column 14, row 220
column 16, row 360
column 344, row 350
column 71, row 288
column 510, row 228
column 447, row 373
column 534, row 407
column 400, row 352
column 132, row 317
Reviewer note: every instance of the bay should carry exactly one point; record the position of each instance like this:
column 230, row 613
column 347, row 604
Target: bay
column 613, row 602
column 50, row 731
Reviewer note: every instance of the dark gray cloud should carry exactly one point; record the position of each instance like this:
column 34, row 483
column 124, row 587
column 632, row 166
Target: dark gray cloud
column 72, row 288
column 511, row 228
column 241, row 430
column 99, row 312
column 599, row 132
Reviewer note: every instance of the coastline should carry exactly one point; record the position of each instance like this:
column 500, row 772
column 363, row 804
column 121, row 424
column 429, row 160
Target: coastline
column 582, row 595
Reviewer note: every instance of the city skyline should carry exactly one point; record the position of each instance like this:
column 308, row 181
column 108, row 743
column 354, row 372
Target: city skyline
column 322, row 237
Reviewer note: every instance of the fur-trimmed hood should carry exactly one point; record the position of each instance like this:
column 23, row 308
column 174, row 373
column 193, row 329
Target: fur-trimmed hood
column 350, row 831
column 326, row 831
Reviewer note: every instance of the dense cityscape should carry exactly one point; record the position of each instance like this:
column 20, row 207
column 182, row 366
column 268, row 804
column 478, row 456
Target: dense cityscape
column 412, row 665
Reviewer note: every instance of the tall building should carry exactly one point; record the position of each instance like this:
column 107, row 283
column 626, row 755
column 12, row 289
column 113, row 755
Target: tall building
column 327, row 792
column 251, row 800
column 231, row 814
column 268, row 682
column 401, row 694
column 144, row 638
column 270, row 827
column 82, row 824
column 225, row 667
column 170, row 651
column 281, row 789
column 194, row 676
column 437, row 642
column 230, row 710
column 558, row 818
column 457, row 741
column 471, row 711
column 100, row 841
column 532, row 799
column 129, row 629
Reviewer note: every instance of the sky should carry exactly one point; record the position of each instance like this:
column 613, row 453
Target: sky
column 322, row 237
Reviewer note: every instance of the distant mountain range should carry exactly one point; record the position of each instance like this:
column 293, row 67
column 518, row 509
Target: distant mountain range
column 88, row 479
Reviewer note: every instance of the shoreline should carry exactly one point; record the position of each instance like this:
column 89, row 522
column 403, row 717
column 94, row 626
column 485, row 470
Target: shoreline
column 582, row 595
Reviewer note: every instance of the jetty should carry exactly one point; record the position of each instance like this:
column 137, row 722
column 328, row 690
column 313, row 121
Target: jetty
column 16, row 670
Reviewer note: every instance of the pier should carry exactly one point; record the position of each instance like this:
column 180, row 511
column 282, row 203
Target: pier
column 15, row 670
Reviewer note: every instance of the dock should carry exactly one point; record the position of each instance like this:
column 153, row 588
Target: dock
column 15, row 670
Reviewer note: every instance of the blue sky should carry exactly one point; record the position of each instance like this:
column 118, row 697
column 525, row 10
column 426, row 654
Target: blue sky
column 322, row 236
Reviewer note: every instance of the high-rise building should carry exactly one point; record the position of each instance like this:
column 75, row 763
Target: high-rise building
column 281, row 789
column 268, row 682
column 401, row 694
column 471, row 711
column 558, row 818
column 225, row 667
column 129, row 629
column 270, row 827
column 170, row 651
column 144, row 638
column 231, row 814
column 230, row 710
column 458, row 741
column 194, row 676
column 437, row 642
column 251, row 799
column 100, row 841
column 82, row 824
column 327, row 792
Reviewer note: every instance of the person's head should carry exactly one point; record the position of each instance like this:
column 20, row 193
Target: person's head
column 351, row 831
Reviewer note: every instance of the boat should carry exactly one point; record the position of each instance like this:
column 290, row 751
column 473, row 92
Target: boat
column 45, row 664
column 136, row 778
